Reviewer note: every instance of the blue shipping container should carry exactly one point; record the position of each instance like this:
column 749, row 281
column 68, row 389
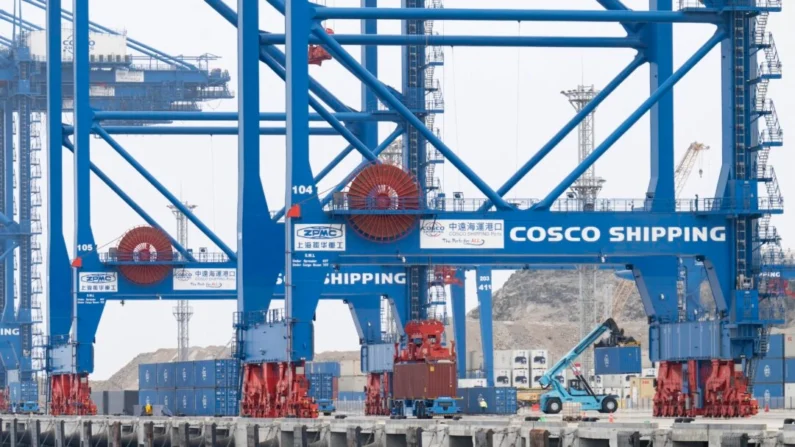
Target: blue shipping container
column 789, row 370
column 147, row 376
column 775, row 348
column 166, row 375
column 186, row 402
column 321, row 386
column 167, row 398
column 147, row 397
column 769, row 394
column 332, row 368
column 232, row 373
column 184, row 371
column 211, row 402
column 499, row 400
column 770, row 371
column 617, row 360
column 351, row 395
column 232, row 402
column 205, row 374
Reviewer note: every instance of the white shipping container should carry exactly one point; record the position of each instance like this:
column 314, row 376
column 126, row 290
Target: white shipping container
column 536, row 376
column 471, row 383
column 352, row 383
column 475, row 360
column 521, row 359
column 789, row 393
column 612, row 381
column 521, row 378
column 351, row 368
column 649, row 372
column 503, row 359
column 627, row 378
column 561, row 378
column 539, row 358
column 789, row 346
column 110, row 46
column 613, row 391
column 502, row 377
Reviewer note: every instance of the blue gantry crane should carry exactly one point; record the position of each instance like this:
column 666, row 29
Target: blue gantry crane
column 385, row 216
column 153, row 81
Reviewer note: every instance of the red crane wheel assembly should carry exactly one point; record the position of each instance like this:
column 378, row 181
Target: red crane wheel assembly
column 383, row 188
column 143, row 246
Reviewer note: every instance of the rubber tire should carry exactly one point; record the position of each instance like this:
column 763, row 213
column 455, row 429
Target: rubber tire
column 609, row 405
column 554, row 406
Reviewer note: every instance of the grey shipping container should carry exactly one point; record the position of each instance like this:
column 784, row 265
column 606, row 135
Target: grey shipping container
column 378, row 358
column 121, row 402
column 100, row 400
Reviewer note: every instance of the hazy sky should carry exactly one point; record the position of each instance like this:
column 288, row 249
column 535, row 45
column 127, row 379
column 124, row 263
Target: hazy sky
column 501, row 106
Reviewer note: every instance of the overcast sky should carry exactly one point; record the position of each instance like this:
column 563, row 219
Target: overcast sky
column 501, row 106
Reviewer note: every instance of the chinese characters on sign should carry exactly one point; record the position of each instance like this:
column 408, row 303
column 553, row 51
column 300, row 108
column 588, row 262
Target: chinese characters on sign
column 99, row 282
column 466, row 234
column 319, row 237
column 205, row 279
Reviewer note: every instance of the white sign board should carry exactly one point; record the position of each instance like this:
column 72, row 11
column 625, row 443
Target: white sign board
column 99, row 282
column 462, row 234
column 111, row 47
column 129, row 76
column 102, row 90
column 205, row 279
column 308, row 237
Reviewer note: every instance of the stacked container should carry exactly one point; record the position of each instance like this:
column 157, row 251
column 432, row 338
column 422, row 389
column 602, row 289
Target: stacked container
column 789, row 371
column 769, row 376
column 502, row 377
column 352, row 381
column 521, row 359
column 200, row 388
column 521, row 378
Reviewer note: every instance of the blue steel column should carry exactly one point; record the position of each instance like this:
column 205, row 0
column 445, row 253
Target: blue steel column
column 90, row 304
column 486, row 326
column 661, row 67
column 458, row 299
column 7, row 208
column 304, row 270
column 369, row 134
column 25, row 254
column 258, row 237
column 414, row 143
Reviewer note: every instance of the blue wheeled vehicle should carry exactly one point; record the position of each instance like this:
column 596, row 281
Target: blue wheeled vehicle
column 326, row 406
column 578, row 390
column 426, row 408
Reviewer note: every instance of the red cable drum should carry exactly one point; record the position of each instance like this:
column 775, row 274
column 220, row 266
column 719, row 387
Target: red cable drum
column 144, row 245
column 383, row 187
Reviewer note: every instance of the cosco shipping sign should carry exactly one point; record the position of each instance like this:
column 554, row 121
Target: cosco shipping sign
column 618, row 234
column 498, row 234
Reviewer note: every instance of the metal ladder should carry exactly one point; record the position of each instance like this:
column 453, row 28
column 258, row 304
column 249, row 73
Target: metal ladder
column 741, row 250
column 414, row 293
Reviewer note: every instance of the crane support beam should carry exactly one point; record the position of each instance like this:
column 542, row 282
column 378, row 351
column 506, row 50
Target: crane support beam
column 233, row 116
column 274, row 58
column 469, row 41
column 661, row 91
column 204, row 130
column 514, row 15
column 458, row 302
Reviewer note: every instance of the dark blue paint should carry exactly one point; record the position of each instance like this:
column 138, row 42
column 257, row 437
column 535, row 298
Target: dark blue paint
column 186, row 402
column 769, row 394
column 617, row 360
column 789, row 370
column 321, row 386
column 147, row 376
column 184, row 371
column 166, row 375
column 332, row 368
column 775, row 347
column 147, row 397
column 499, row 400
column 770, row 371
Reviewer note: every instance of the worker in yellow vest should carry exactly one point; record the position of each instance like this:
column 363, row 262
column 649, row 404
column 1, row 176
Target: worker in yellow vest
column 482, row 402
